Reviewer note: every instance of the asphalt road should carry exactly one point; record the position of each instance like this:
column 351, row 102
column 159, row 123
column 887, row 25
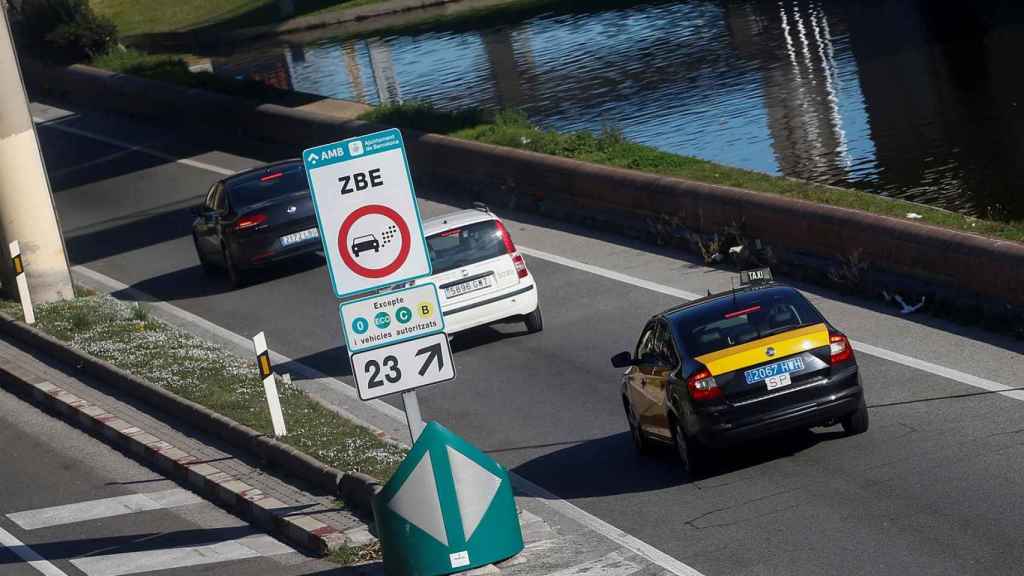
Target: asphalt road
column 935, row 487
column 158, row 525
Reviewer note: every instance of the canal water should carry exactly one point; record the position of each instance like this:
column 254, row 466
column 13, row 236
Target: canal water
column 914, row 99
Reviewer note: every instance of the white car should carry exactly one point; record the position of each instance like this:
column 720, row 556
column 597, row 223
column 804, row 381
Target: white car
column 480, row 277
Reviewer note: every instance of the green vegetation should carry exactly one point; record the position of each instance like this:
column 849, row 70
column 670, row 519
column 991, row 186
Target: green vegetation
column 154, row 16
column 61, row 31
column 129, row 337
column 347, row 556
column 611, row 148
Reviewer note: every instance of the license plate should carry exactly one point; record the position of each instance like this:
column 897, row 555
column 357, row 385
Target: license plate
column 776, row 370
column 474, row 284
column 299, row 236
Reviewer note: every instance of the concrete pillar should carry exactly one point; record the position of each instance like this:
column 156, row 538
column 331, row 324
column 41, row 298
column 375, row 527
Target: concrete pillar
column 27, row 213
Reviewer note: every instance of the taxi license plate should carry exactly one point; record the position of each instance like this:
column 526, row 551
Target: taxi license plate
column 299, row 236
column 775, row 375
column 472, row 285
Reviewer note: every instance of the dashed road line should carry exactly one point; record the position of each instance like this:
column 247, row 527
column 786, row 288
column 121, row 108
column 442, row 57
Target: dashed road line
column 29, row 555
column 102, row 508
column 143, row 149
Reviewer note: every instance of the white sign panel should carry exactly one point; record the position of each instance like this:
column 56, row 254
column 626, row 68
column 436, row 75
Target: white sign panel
column 391, row 317
column 366, row 211
column 403, row 366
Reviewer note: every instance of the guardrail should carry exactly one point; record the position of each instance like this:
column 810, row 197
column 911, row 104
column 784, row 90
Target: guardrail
column 972, row 267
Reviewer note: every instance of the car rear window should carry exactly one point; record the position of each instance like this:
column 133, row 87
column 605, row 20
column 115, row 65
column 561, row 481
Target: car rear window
column 264, row 185
column 465, row 245
column 726, row 322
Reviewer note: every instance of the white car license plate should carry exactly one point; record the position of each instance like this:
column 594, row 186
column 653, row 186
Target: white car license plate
column 472, row 285
column 779, row 381
column 299, row 236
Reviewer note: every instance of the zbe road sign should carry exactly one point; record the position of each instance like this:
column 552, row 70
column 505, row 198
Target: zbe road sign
column 403, row 366
column 366, row 212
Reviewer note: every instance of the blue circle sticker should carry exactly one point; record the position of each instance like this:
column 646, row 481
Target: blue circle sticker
column 382, row 320
column 360, row 325
column 403, row 315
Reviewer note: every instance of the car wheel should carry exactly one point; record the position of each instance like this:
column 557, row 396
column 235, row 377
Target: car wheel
column 640, row 442
column 857, row 421
column 692, row 454
column 534, row 321
column 204, row 263
column 235, row 276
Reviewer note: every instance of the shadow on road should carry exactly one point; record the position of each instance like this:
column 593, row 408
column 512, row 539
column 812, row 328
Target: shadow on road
column 610, row 465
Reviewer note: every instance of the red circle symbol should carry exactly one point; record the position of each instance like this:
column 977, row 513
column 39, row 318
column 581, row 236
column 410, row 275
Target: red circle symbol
column 344, row 250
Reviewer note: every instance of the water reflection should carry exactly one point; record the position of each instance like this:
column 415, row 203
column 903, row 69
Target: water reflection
column 906, row 98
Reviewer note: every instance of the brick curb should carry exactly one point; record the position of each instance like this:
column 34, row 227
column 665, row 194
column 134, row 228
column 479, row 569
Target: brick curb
column 355, row 488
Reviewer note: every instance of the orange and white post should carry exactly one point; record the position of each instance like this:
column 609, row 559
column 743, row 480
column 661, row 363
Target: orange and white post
column 259, row 342
column 22, row 281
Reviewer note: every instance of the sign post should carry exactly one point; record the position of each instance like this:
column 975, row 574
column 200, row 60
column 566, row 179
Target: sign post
column 373, row 240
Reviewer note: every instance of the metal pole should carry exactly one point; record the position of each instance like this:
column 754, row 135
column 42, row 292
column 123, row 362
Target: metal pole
column 412, row 414
column 27, row 213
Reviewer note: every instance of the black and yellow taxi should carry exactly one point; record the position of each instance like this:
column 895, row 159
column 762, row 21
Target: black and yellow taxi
column 737, row 365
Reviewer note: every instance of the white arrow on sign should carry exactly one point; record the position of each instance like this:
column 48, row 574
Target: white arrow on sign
column 403, row 366
column 313, row 158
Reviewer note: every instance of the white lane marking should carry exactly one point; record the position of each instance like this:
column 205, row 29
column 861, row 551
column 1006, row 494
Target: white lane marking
column 178, row 557
column 599, row 271
column 102, row 508
column 896, row 357
column 610, row 565
column 100, row 160
column 925, row 366
column 624, row 539
column 144, row 149
column 28, row 555
column 525, row 486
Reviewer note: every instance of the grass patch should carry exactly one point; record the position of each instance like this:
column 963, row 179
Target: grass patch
column 127, row 336
column 154, row 16
column 347, row 556
column 611, row 148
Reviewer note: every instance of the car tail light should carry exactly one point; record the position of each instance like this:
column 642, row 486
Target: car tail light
column 272, row 176
column 505, row 237
column 520, row 266
column 250, row 221
column 703, row 387
column 839, row 348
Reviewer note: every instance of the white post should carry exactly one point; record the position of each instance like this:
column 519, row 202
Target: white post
column 259, row 342
column 19, row 277
column 412, row 414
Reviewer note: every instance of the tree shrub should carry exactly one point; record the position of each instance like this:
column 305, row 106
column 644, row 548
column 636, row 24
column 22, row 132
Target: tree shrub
column 61, row 31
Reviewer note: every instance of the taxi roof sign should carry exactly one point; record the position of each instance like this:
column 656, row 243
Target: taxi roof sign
column 757, row 276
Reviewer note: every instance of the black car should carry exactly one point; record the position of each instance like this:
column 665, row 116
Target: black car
column 254, row 218
column 738, row 365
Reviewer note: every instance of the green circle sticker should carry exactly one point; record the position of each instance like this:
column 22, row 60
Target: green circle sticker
column 382, row 320
column 403, row 315
column 360, row 325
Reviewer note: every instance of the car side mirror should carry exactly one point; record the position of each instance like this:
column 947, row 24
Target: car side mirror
column 622, row 359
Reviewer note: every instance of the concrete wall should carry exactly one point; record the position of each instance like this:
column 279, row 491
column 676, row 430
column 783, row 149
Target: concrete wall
column 969, row 266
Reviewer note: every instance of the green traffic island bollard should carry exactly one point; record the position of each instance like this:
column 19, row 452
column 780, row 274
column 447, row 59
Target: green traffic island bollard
column 448, row 508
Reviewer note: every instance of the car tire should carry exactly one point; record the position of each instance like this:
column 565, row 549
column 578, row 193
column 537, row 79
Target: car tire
column 534, row 321
column 235, row 276
column 204, row 263
column 640, row 442
column 856, row 422
column 693, row 455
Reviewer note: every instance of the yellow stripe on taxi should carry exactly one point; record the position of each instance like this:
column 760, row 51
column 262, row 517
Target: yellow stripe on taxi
column 754, row 352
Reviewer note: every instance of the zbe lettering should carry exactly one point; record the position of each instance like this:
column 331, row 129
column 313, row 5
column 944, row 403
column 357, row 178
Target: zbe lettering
column 361, row 181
